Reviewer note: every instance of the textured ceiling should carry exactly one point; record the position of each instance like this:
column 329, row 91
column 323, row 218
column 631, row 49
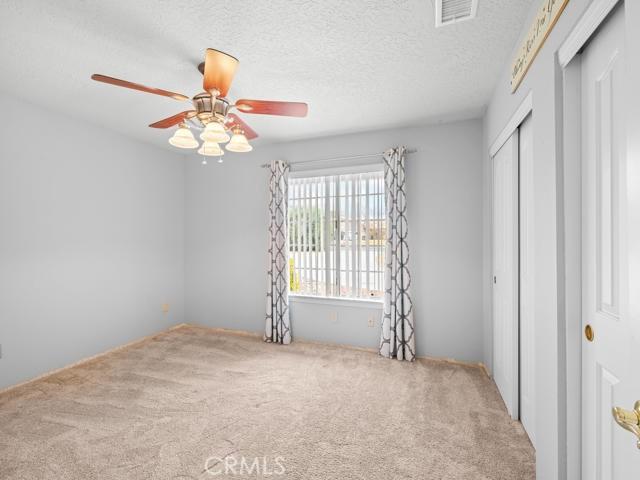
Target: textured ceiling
column 360, row 65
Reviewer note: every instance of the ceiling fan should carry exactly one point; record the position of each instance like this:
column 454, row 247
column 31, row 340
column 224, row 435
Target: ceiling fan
column 212, row 110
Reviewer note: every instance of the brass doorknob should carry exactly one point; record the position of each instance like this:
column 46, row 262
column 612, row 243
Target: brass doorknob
column 589, row 333
column 629, row 420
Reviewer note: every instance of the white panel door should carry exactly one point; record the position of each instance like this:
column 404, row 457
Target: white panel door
column 527, row 263
column 610, row 362
column 505, row 273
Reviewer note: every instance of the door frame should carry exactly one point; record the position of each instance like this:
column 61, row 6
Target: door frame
column 519, row 116
column 524, row 110
column 570, row 234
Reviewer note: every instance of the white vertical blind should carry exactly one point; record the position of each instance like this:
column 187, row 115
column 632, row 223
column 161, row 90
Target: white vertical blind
column 337, row 235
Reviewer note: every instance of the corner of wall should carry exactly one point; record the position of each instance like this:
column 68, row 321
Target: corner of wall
column 486, row 249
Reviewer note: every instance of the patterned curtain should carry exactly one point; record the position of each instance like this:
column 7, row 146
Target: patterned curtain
column 278, row 327
column 397, row 339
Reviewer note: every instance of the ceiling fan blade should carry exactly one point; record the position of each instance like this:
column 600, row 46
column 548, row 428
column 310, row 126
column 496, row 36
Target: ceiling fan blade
column 236, row 121
column 137, row 86
column 174, row 120
column 219, row 69
column 266, row 107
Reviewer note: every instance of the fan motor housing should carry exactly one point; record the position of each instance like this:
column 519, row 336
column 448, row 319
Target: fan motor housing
column 208, row 107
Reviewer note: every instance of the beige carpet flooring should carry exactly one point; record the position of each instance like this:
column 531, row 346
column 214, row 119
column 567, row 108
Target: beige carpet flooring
column 163, row 408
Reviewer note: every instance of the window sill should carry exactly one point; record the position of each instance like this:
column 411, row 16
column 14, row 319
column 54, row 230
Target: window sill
column 337, row 301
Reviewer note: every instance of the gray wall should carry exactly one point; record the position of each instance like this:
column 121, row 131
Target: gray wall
column 91, row 241
column 544, row 80
column 226, row 240
column 541, row 78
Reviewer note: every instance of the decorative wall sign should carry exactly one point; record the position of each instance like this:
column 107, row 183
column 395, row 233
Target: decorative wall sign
column 544, row 22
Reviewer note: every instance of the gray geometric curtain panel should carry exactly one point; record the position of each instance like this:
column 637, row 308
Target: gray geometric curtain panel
column 397, row 338
column 278, row 327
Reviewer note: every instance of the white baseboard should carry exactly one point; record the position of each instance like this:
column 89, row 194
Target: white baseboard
column 227, row 331
column 452, row 361
column 90, row 359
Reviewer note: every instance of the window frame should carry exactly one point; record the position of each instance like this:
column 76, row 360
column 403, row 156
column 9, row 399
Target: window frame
column 358, row 302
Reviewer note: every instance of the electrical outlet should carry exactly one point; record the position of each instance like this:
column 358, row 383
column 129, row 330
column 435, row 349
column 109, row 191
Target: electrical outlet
column 165, row 308
column 372, row 321
column 333, row 317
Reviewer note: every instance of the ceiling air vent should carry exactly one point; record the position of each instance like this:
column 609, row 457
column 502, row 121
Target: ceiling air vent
column 453, row 11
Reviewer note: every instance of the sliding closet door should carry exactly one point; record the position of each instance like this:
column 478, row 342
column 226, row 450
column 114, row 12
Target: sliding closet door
column 527, row 264
column 505, row 271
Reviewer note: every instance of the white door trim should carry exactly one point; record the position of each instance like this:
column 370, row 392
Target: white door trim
column 526, row 254
column 584, row 28
column 570, row 259
column 523, row 110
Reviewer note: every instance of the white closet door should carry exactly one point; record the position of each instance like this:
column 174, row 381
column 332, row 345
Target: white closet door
column 505, row 268
column 610, row 248
column 527, row 263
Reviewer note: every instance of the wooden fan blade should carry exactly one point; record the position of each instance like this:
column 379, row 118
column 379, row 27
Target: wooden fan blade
column 266, row 107
column 137, row 86
column 219, row 69
column 236, row 121
column 174, row 120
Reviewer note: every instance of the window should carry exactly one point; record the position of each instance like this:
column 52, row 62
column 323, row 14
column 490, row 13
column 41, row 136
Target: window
column 337, row 235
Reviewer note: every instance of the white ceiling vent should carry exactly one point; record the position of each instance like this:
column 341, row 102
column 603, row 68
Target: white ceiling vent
column 453, row 11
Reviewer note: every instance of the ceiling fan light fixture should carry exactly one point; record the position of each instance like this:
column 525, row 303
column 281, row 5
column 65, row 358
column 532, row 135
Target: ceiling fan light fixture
column 210, row 149
column 183, row 138
column 211, row 108
column 239, row 144
column 214, row 132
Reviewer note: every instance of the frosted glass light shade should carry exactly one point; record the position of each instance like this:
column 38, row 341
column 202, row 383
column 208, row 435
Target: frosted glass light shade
column 183, row 138
column 239, row 144
column 214, row 132
column 210, row 149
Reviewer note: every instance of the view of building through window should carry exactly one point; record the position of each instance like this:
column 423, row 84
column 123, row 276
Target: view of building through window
column 337, row 235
